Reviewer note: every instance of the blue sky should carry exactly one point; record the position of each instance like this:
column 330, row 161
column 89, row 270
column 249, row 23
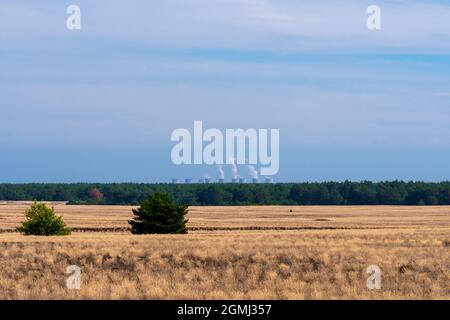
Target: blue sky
column 100, row 104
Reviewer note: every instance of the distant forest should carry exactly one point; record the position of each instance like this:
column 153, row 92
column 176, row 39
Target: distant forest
column 326, row 193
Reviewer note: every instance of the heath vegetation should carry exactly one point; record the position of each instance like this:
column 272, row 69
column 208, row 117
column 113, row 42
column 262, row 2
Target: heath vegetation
column 233, row 253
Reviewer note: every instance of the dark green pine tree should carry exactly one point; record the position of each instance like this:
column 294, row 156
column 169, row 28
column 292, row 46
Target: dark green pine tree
column 159, row 214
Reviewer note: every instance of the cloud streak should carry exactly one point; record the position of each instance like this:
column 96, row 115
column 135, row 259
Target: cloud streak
column 282, row 25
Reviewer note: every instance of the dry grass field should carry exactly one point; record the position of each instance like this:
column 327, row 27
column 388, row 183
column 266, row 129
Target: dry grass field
column 234, row 253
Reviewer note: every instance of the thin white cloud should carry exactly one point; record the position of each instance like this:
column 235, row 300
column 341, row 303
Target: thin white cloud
column 441, row 94
column 283, row 25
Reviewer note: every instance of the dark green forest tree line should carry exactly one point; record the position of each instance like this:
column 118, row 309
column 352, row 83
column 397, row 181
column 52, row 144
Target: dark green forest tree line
column 326, row 193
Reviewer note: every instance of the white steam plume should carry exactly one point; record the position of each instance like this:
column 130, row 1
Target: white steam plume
column 252, row 171
column 234, row 169
column 221, row 172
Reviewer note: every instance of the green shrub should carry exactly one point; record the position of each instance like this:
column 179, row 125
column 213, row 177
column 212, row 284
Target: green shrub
column 159, row 214
column 42, row 221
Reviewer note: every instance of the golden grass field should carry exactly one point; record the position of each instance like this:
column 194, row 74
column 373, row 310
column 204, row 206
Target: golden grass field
column 233, row 253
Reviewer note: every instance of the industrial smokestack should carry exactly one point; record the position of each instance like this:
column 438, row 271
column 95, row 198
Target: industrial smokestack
column 255, row 180
column 241, row 180
column 207, row 180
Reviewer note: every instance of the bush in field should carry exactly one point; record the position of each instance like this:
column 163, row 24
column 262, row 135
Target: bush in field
column 159, row 214
column 42, row 221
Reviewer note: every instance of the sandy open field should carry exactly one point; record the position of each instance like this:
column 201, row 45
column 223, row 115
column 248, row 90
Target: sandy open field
column 234, row 253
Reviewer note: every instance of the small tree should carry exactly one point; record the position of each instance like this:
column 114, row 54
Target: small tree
column 42, row 221
column 95, row 194
column 159, row 214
